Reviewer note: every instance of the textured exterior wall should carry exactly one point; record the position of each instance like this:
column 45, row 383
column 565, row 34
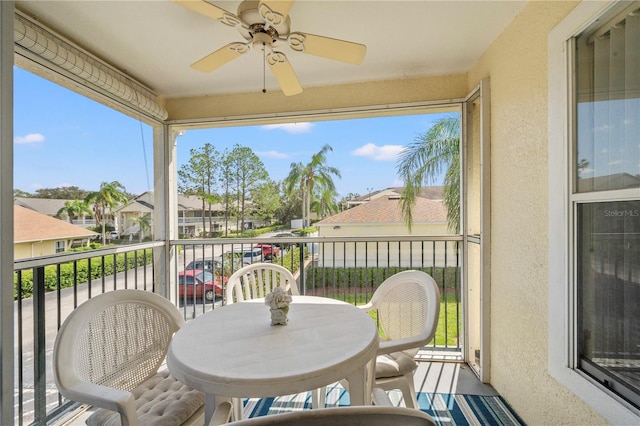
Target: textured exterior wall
column 373, row 229
column 517, row 66
column 35, row 249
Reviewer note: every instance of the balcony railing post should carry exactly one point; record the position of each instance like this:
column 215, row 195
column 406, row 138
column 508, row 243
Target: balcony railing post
column 302, row 269
column 39, row 347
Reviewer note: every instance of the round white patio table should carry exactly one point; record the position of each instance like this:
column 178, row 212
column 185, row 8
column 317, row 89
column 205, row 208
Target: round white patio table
column 234, row 351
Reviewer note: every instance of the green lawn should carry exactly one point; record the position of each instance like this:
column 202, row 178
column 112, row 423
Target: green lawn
column 449, row 323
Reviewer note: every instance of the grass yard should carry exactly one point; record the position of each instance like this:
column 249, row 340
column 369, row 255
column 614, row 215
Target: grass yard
column 449, row 323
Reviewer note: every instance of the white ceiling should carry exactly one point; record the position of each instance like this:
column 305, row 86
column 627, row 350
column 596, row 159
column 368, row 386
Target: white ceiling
column 155, row 41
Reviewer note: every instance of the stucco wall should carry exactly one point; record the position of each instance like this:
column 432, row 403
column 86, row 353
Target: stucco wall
column 35, row 249
column 372, row 229
column 517, row 66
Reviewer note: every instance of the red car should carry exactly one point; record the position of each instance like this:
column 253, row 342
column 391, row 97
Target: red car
column 199, row 284
column 269, row 251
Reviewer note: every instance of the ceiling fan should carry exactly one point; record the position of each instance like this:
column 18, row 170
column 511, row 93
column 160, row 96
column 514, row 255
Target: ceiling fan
column 266, row 25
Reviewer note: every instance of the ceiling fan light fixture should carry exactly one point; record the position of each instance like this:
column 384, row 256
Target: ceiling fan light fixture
column 265, row 23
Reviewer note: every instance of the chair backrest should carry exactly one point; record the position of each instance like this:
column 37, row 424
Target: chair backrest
column 408, row 305
column 257, row 280
column 345, row 416
column 117, row 339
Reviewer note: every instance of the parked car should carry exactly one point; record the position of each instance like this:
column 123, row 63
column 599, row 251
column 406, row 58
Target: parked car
column 249, row 255
column 199, row 284
column 269, row 251
column 113, row 235
column 283, row 246
column 207, row 264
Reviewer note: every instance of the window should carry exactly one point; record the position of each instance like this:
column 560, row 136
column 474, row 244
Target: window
column 60, row 246
column 594, row 167
column 605, row 203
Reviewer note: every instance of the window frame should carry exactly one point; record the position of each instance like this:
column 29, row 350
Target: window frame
column 563, row 201
column 60, row 246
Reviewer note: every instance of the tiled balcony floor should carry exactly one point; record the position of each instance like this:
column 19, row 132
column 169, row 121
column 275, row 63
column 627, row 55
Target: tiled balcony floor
column 431, row 377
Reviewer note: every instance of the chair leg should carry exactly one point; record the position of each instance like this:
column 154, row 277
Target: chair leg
column 408, row 391
column 319, row 397
column 237, row 409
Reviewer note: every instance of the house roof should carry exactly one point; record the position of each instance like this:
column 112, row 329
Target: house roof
column 29, row 225
column 387, row 210
column 46, row 206
column 430, row 192
column 185, row 202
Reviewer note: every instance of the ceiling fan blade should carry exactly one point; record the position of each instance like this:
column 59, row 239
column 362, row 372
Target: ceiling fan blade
column 283, row 72
column 209, row 10
column 202, row 7
column 267, row 10
column 221, row 56
column 327, row 47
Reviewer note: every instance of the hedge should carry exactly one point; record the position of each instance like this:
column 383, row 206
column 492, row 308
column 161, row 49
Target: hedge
column 81, row 273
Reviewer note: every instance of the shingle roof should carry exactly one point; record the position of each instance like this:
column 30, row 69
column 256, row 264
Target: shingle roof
column 29, row 225
column 387, row 210
column 430, row 192
column 48, row 206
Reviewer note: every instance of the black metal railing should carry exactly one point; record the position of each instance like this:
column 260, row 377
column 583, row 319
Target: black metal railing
column 49, row 289
column 346, row 268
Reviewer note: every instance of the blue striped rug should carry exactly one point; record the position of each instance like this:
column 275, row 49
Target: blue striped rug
column 446, row 409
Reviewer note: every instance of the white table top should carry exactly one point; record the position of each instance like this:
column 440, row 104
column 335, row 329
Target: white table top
column 234, row 351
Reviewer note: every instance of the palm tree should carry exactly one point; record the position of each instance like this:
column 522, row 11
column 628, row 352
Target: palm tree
column 324, row 202
column 423, row 161
column 109, row 196
column 305, row 177
column 144, row 222
column 74, row 209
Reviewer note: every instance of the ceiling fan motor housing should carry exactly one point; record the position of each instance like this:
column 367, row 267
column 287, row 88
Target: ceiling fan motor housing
column 255, row 22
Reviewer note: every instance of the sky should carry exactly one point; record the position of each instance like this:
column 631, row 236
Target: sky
column 64, row 139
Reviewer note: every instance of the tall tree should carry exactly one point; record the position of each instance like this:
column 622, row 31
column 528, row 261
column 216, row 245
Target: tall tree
column 424, row 160
column 74, row 209
column 61, row 193
column 266, row 200
column 324, row 202
column 304, row 178
column 250, row 173
column 104, row 200
column 21, row 193
column 199, row 177
column 290, row 207
column 227, row 180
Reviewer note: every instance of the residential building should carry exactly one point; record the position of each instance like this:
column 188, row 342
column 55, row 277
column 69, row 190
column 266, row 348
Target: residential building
column 36, row 234
column 430, row 192
column 51, row 207
column 382, row 216
column 194, row 220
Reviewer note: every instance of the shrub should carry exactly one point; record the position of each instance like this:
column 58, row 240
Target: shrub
column 53, row 280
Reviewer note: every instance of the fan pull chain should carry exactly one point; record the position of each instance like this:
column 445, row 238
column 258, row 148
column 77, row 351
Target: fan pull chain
column 264, row 68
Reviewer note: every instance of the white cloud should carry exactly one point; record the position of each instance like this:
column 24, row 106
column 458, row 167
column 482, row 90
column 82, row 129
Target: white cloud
column 273, row 154
column 290, row 127
column 379, row 153
column 29, row 138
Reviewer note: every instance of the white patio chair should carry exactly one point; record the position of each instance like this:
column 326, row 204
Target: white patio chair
column 107, row 354
column 344, row 416
column 257, row 280
column 408, row 305
column 252, row 282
